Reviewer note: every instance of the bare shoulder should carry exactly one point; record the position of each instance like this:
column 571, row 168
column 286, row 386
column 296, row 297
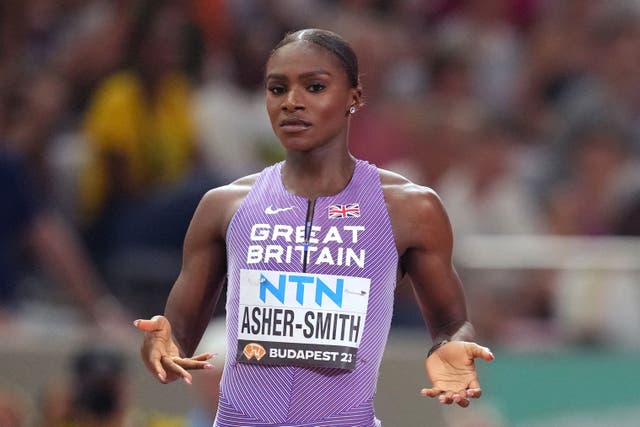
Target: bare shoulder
column 398, row 189
column 245, row 181
column 221, row 203
column 415, row 210
column 230, row 193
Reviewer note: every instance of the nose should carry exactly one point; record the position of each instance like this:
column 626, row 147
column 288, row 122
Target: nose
column 292, row 101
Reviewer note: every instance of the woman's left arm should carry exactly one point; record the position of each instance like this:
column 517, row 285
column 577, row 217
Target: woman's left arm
column 427, row 259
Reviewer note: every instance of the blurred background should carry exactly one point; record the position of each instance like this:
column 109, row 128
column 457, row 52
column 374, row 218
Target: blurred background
column 524, row 116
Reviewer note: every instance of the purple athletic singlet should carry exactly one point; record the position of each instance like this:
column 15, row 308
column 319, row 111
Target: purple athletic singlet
column 309, row 305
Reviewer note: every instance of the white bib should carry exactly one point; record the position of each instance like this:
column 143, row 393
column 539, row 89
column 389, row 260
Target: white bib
column 301, row 319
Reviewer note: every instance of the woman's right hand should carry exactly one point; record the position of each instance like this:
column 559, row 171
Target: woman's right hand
column 161, row 354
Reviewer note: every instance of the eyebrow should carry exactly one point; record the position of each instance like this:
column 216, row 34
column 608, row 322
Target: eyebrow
column 303, row 75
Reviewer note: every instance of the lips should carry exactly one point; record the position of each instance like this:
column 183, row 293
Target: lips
column 294, row 124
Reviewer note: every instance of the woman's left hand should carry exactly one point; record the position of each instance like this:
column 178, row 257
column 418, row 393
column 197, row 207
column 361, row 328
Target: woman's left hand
column 452, row 372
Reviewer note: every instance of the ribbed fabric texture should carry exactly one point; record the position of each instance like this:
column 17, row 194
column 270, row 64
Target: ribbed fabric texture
column 252, row 395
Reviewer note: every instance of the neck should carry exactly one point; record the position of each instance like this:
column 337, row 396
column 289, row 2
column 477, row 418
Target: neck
column 316, row 174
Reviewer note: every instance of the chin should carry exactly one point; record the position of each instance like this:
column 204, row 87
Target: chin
column 297, row 143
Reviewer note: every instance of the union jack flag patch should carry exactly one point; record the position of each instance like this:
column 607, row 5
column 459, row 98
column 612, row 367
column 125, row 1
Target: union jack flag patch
column 349, row 210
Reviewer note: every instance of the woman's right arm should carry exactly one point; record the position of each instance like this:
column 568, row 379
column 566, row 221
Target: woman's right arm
column 196, row 291
column 170, row 340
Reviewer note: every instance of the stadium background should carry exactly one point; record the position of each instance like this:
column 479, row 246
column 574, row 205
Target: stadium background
column 523, row 115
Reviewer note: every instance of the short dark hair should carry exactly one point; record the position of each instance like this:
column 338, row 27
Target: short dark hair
column 330, row 41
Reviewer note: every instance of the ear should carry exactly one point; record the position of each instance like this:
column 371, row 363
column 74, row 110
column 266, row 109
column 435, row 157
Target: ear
column 356, row 97
column 355, row 100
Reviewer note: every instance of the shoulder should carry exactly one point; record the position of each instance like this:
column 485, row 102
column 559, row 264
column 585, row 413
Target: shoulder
column 415, row 211
column 221, row 203
column 398, row 189
column 230, row 194
column 238, row 188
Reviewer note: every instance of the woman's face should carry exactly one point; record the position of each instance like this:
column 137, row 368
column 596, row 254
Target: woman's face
column 308, row 96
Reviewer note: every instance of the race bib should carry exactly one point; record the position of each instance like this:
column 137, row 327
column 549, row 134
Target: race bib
column 301, row 319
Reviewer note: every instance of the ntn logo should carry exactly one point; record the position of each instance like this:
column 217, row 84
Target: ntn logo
column 301, row 282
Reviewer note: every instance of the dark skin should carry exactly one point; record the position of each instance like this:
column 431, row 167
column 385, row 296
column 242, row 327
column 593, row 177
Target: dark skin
column 308, row 100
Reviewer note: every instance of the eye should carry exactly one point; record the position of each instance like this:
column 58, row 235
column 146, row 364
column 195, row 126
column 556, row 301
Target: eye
column 316, row 87
column 276, row 89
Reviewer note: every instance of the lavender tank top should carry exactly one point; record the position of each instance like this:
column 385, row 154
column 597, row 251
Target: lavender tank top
column 309, row 305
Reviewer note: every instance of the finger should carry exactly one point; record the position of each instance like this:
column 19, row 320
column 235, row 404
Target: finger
column 474, row 393
column 155, row 366
column 170, row 364
column 446, row 398
column 460, row 398
column 430, row 392
column 461, row 401
column 191, row 364
column 156, row 323
column 479, row 351
column 204, row 356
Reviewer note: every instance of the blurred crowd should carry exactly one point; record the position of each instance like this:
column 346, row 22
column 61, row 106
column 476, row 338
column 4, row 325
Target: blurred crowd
column 97, row 389
column 117, row 115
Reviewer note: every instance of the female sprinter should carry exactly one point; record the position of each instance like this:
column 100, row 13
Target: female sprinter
column 311, row 249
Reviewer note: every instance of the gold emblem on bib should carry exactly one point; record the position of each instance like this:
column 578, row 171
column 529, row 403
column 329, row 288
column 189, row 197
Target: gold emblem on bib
column 254, row 350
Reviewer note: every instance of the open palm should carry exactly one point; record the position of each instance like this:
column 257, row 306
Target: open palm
column 452, row 372
column 161, row 354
